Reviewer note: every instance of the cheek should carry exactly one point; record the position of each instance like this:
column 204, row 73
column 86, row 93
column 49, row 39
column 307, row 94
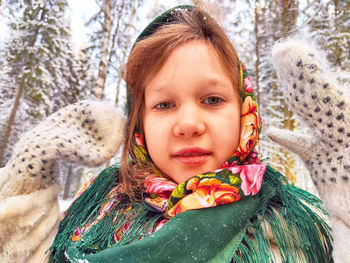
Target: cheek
column 233, row 135
column 155, row 137
column 148, row 131
column 230, row 132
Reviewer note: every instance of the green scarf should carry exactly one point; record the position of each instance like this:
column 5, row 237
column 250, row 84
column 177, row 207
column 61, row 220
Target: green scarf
column 218, row 234
column 102, row 225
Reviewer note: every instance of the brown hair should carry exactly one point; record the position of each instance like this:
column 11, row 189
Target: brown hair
column 146, row 59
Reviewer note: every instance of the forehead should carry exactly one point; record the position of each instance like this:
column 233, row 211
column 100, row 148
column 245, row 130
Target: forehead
column 190, row 60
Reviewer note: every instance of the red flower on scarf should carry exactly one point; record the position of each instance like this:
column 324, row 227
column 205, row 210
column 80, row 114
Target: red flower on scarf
column 248, row 86
column 159, row 186
column 139, row 139
column 251, row 176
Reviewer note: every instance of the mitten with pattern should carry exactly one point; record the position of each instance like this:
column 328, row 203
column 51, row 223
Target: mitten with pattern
column 86, row 133
column 313, row 93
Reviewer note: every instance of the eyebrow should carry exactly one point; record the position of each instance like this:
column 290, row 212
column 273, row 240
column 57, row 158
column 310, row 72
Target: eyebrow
column 159, row 88
column 208, row 83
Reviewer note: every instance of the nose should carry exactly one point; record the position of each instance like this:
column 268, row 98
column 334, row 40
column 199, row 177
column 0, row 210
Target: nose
column 189, row 123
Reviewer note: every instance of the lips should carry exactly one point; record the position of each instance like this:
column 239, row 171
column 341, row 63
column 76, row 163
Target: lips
column 192, row 156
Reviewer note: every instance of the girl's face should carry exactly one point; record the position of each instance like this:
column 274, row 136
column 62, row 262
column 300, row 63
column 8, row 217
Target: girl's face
column 192, row 113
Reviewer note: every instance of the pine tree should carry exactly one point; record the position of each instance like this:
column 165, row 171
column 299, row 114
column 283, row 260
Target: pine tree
column 40, row 72
column 329, row 25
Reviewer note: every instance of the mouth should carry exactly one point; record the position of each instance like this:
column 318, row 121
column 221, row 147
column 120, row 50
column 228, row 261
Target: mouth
column 192, row 156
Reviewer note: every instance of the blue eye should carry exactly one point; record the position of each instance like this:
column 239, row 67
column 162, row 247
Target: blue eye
column 164, row 106
column 212, row 100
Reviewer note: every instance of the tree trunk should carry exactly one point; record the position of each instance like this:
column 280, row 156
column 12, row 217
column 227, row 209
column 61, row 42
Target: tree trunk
column 257, row 52
column 289, row 17
column 116, row 31
column 11, row 120
column 119, row 81
column 102, row 69
column 131, row 16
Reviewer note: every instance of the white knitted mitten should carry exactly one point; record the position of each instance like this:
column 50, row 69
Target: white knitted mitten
column 314, row 94
column 87, row 133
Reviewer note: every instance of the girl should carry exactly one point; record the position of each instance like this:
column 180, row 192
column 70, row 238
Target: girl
column 190, row 186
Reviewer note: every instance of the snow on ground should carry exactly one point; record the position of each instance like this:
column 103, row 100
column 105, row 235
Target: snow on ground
column 64, row 204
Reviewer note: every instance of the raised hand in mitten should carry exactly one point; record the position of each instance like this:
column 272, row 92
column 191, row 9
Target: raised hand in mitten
column 314, row 94
column 87, row 133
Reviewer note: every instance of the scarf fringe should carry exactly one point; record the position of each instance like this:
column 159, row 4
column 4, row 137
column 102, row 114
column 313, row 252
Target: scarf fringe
column 297, row 222
column 101, row 235
column 90, row 200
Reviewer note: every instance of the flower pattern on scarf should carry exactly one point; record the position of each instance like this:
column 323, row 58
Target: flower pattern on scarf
column 160, row 189
column 201, row 191
column 113, row 198
column 159, row 186
column 248, row 85
column 250, row 118
column 206, row 192
column 249, row 127
column 251, row 176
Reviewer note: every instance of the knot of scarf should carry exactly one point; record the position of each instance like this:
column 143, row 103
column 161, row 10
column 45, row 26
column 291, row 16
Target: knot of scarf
column 219, row 187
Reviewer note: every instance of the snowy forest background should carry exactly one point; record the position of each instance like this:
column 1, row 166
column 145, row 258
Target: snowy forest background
column 44, row 68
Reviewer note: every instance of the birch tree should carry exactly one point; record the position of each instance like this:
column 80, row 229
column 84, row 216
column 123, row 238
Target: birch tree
column 107, row 27
column 111, row 41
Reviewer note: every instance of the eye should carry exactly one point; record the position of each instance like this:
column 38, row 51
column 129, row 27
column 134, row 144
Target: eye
column 164, row 105
column 212, row 100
